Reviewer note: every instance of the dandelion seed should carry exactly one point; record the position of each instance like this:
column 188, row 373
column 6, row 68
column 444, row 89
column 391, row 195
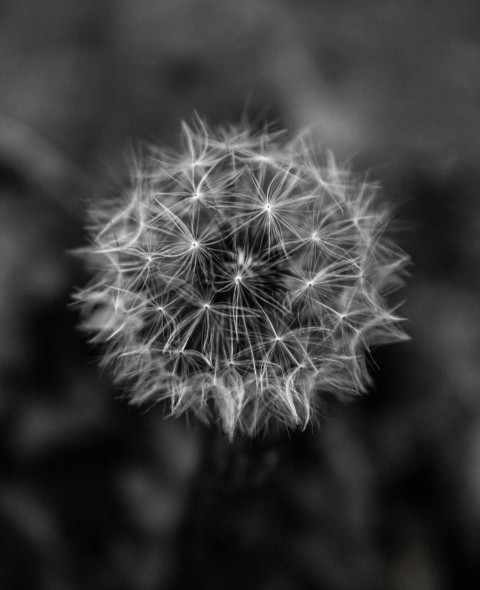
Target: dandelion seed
column 241, row 280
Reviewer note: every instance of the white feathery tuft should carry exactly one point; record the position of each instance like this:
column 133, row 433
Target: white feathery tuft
column 242, row 281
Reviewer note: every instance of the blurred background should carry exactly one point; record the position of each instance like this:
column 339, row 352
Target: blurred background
column 97, row 495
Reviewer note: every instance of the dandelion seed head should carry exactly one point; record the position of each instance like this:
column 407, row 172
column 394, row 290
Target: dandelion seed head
column 241, row 280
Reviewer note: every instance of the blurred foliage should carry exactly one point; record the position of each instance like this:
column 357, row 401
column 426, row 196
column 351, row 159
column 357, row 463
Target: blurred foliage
column 94, row 494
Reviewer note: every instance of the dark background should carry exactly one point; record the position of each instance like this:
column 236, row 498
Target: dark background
column 97, row 495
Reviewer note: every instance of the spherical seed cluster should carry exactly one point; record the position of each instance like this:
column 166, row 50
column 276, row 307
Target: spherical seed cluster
column 240, row 280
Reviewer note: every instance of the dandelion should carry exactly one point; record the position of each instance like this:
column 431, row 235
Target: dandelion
column 241, row 280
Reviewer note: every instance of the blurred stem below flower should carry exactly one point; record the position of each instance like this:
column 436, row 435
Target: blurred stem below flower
column 228, row 474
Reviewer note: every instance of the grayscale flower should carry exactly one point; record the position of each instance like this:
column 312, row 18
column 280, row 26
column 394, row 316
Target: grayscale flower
column 241, row 280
